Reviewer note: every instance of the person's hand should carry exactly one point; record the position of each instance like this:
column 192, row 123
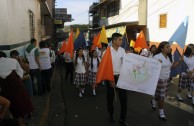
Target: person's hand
column 160, row 61
column 181, row 59
column 112, row 84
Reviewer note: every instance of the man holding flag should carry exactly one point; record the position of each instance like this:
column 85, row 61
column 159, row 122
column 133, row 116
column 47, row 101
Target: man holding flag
column 117, row 54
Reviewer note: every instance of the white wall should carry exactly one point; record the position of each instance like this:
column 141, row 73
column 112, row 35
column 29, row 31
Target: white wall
column 14, row 21
column 177, row 11
column 128, row 12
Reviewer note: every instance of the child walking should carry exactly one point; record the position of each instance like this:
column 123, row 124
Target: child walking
column 80, row 71
column 93, row 64
column 161, row 90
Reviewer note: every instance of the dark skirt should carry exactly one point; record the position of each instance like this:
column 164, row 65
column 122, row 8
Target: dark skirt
column 14, row 90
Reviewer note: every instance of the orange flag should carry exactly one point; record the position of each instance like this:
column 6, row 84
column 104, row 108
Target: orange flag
column 105, row 69
column 141, row 41
column 95, row 42
column 63, row 48
column 70, row 45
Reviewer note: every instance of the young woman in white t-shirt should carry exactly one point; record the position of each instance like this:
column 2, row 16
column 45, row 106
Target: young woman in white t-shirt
column 93, row 64
column 80, row 71
column 185, row 78
column 161, row 91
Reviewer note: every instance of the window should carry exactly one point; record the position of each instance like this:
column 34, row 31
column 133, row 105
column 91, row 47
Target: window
column 32, row 26
column 163, row 21
column 113, row 9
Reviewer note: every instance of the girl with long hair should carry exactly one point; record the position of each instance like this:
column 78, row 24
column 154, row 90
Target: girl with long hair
column 161, row 90
column 185, row 78
column 80, row 71
column 93, row 64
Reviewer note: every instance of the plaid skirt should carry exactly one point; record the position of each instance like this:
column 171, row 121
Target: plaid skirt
column 92, row 77
column 184, row 81
column 80, row 79
column 192, row 84
column 161, row 89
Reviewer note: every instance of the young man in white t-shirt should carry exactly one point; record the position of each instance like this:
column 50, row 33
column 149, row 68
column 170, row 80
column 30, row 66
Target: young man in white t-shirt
column 45, row 66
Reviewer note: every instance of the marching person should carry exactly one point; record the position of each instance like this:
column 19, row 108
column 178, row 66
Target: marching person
column 69, row 66
column 117, row 54
column 185, row 78
column 161, row 90
column 93, row 64
column 80, row 71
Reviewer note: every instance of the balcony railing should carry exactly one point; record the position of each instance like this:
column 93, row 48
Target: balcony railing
column 104, row 21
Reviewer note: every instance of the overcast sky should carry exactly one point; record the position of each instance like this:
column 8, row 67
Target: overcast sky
column 77, row 8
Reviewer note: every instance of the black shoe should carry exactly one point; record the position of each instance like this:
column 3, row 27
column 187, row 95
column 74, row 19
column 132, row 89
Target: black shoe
column 153, row 107
column 123, row 123
column 112, row 118
column 162, row 118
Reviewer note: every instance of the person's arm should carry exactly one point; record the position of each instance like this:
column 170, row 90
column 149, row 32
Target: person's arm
column 112, row 84
column 54, row 57
column 37, row 57
column 19, row 69
column 5, row 103
column 175, row 64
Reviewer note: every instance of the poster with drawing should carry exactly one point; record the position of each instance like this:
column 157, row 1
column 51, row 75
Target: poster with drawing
column 139, row 74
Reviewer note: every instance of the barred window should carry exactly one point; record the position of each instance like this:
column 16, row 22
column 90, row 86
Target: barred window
column 32, row 24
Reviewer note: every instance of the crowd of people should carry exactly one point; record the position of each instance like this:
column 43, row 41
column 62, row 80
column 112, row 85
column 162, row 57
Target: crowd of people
column 17, row 75
column 85, row 64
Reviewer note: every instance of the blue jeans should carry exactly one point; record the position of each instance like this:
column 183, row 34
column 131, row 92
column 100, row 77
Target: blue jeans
column 35, row 73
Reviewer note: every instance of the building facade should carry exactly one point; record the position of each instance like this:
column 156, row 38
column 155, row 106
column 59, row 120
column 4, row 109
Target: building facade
column 22, row 20
column 159, row 19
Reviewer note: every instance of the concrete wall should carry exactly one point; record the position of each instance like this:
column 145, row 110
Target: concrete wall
column 177, row 11
column 14, row 21
column 128, row 12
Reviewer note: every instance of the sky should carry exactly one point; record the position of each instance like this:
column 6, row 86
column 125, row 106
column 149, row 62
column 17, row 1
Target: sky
column 77, row 8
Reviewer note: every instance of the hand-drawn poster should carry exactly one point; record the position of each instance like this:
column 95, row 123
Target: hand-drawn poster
column 139, row 74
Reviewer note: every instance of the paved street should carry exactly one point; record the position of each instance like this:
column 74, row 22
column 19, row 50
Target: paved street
column 69, row 110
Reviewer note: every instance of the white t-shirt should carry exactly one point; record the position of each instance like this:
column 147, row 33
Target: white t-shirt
column 67, row 57
column 95, row 64
column 117, row 59
column 31, row 59
column 80, row 66
column 190, row 62
column 85, row 53
column 44, row 58
column 7, row 65
column 166, row 66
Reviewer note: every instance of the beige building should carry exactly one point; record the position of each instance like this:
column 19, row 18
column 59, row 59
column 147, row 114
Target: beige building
column 21, row 20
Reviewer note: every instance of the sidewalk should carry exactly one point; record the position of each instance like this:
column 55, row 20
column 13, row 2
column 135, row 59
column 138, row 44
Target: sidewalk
column 41, row 109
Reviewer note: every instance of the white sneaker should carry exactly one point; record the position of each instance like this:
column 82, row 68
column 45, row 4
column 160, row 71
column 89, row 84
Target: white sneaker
column 94, row 93
column 80, row 95
column 82, row 91
column 179, row 99
column 189, row 96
